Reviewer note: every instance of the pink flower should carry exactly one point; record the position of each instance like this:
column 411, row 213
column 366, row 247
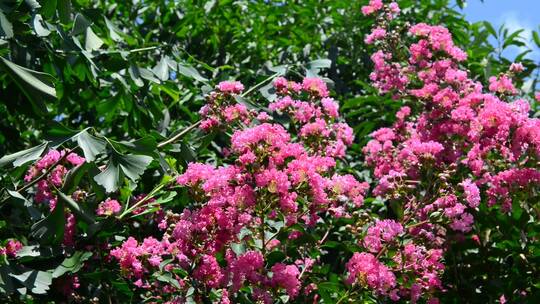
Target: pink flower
column 57, row 175
column 502, row 85
column 376, row 34
column 208, row 271
column 365, row 267
column 11, row 249
column 264, row 117
column 516, row 67
column 231, row 87
column 108, row 207
column 75, row 159
column 281, row 85
column 274, row 180
column 48, row 160
column 330, row 106
column 69, row 230
column 374, row 5
column 383, row 231
column 394, row 8
column 315, row 86
column 286, row 276
column 472, row 193
column 246, row 267
column 232, row 113
column 195, row 174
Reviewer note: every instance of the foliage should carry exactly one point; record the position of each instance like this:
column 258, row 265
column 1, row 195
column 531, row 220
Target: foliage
column 120, row 84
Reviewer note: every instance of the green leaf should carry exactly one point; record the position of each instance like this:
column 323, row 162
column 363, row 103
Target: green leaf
column 92, row 41
column 191, row 72
column 64, row 11
column 76, row 208
column 36, row 251
column 110, row 177
column 6, row 28
column 24, row 156
column 275, row 257
column 40, row 27
column 161, row 70
column 510, row 40
column 6, row 281
column 122, row 287
column 490, row 29
column 329, row 286
column 36, row 281
column 57, row 131
column 90, row 145
column 320, row 64
column 74, row 176
column 134, row 165
column 131, row 165
column 135, row 75
column 33, row 211
column 269, row 92
column 79, row 25
column 148, row 75
column 48, row 7
column 33, row 4
column 167, row 278
column 238, row 248
column 146, row 145
column 35, row 85
column 536, row 38
column 51, row 228
column 72, row 264
column 209, row 5
column 115, row 33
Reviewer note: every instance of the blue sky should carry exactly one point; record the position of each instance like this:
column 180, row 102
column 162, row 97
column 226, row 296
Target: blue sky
column 515, row 14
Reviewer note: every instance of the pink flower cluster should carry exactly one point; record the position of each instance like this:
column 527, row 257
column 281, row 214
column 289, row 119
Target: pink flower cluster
column 11, row 248
column 463, row 146
column 384, row 231
column 108, row 207
column 316, row 119
column 271, row 176
column 366, row 269
column 387, row 75
column 374, row 6
column 502, row 85
column 223, row 109
column 45, row 192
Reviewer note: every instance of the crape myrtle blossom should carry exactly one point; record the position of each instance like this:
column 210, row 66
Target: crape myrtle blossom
column 254, row 225
column 108, row 207
column 270, row 175
column 222, row 109
column 59, row 163
column 469, row 143
column 314, row 114
column 11, row 248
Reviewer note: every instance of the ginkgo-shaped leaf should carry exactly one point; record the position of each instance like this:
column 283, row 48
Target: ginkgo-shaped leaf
column 90, row 145
column 119, row 165
column 36, row 281
column 24, row 156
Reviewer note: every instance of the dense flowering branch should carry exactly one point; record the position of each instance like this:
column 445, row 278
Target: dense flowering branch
column 463, row 145
column 275, row 186
column 252, row 227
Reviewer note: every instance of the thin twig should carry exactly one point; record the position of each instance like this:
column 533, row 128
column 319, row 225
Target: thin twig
column 188, row 129
column 258, row 85
column 42, row 176
column 179, row 135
